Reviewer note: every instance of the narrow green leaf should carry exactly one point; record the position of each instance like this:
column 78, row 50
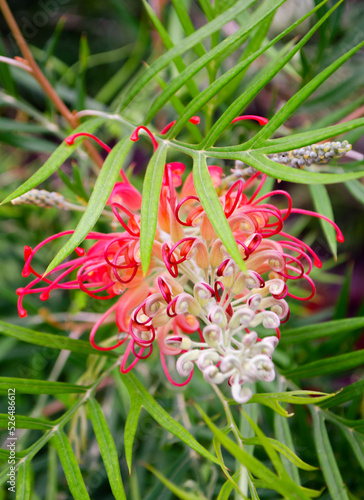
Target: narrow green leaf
column 212, row 206
column 33, row 386
column 104, row 184
column 141, row 80
column 320, row 330
column 293, row 104
column 228, row 486
column 322, row 203
column 51, row 340
column 356, row 188
column 327, row 366
column 52, row 474
column 150, row 204
column 131, row 425
column 356, row 442
column 326, row 458
column 187, row 24
column 254, row 465
column 107, row 448
column 347, row 394
column 283, row 434
column 196, row 66
column 54, row 161
column 168, row 423
column 23, row 422
column 24, row 481
column 70, row 466
column 176, row 490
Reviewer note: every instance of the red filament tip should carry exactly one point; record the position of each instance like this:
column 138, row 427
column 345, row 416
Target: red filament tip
column 195, row 120
column 260, row 119
column 71, row 139
column 135, row 136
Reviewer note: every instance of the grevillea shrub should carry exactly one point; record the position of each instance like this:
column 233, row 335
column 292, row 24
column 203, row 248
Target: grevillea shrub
column 198, row 282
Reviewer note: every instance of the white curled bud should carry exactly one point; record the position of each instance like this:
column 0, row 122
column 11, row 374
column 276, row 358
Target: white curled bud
column 213, row 375
column 217, row 316
column 212, row 335
column 185, row 362
column 207, row 358
column 249, row 339
column 240, row 394
column 254, row 301
column 264, row 368
column 239, row 284
column 185, row 303
column 241, row 318
column 229, row 362
column 269, row 319
column 266, row 346
column 203, row 293
column 179, row 342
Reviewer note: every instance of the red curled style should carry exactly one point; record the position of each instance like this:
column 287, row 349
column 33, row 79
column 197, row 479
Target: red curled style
column 195, row 120
column 71, row 139
column 114, row 208
column 135, row 136
column 178, row 207
column 96, row 327
column 260, row 119
column 238, row 186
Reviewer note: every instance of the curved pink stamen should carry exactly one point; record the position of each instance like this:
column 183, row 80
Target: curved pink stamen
column 173, row 382
column 339, row 235
column 260, row 119
column 240, row 185
column 257, row 191
column 178, row 207
column 96, row 327
column 164, row 289
column 273, row 193
column 171, row 266
column 300, row 243
column 71, row 139
column 114, row 208
column 125, row 358
column 313, row 288
column 135, row 136
column 195, row 120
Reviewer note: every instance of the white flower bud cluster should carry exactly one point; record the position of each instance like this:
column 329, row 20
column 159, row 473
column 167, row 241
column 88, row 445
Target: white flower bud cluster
column 41, row 198
column 231, row 350
column 317, row 153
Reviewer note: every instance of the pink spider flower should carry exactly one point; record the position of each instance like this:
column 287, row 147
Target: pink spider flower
column 195, row 303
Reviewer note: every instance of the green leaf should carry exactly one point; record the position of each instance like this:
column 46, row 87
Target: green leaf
column 254, row 465
column 212, row 206
column 347, row 394
column 51, row 340
column 187, row 24
column 24, row 482
column 293, row 104
column 131, row 425
column 356, row 188
column 320, row 330
column 356, row 442
column 141, row 80
column 327, row 366
column 70, row 466
column 168, row 423
column 107, row 448
column 196, row 66
column 326, row 457
column 176, row 490
column 283, row 433
column 23, row 422
column 54, row 161
column 228, row 486
column 104, row 184
column 150, row 204
column 33, row 386
column 322, row 203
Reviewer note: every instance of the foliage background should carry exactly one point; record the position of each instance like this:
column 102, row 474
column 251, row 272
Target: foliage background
column 122, row 32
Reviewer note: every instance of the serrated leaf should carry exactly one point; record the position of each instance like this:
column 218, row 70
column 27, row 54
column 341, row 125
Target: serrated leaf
column 51, row 340
column 34, row 386
column 107, row 447
column 23, row 422
column 293, row 104
column 104, row 184
column 326, row 458
column 212, row 206
column 176, row 490
column 24, row 482
column 320, row 330
column 131, row 425
column 168, row 423
column 150, row 204
column 54, row 161
column 322, row 204
column 70, row 466
column 254, row 465
column 327, row 366
column 141, row 80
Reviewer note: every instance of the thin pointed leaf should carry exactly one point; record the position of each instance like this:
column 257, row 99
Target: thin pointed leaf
column 176, row 490
column 107, row 447
column 103, row 186
column 33, row 386
column 131, row 425
column 51, row 340
column 326, row 458
column 24, row 481
column 321, row 330
column 356, row 188
column 70, row 466
column 150, row 204
column 327, row 366
column 228, row 486
column 356, row 442
column 347, row 394
column 168, row 423
column 283, row 433
column 54, row 161
column 187, row 24
column 141, row 80
column 322, row 203
column 23, row 422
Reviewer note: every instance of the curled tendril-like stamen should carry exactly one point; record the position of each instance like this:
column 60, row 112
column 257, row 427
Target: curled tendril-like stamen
column 71, row 139
column 114, row 208
column 339, row 235
column 135, row 136
column 126, row 355
column 260, row 119
column 171, row 266
column 167, row 374
column 195, row 120
column 96, row 327
column 239, row 185
column 288, row 210
column 313, row 290
column 257, row 191
column 302, row 244
column 178, row 207
column 164, row 289
column 186, row 247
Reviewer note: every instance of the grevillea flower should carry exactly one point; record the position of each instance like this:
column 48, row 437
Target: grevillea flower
column 195, row 303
